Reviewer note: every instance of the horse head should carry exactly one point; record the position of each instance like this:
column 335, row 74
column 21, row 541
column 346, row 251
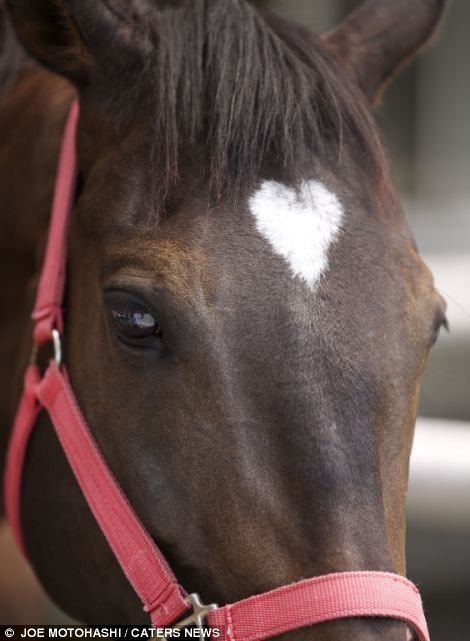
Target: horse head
column 247, row 315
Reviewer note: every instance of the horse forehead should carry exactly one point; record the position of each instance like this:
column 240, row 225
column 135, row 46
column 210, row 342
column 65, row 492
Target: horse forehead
column 300, row 225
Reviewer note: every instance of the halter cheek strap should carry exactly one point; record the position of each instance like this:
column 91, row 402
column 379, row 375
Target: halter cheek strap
column 302, row 604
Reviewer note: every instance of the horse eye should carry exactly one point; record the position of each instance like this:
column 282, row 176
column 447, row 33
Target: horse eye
column 136, row 323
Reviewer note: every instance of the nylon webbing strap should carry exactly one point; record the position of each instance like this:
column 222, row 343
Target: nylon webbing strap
column 137, row 554
column 47, row 310
column 25, row 419
column 323, row 598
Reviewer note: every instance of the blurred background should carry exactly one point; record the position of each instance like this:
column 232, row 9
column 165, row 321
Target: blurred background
column 424, row 119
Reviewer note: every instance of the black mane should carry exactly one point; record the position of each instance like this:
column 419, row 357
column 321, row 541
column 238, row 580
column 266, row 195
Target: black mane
column 237, row 84
column 250, row 89
column 11, row 54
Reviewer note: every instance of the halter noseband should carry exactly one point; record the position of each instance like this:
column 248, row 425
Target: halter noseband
column 302, row 604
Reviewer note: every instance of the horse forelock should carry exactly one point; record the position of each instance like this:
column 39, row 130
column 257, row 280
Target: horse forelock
column 248, row 90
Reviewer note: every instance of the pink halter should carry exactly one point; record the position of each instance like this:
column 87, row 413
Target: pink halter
column 302, row 604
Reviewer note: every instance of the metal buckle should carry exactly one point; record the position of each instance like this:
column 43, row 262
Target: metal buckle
column 199, row 613
column 56, row 346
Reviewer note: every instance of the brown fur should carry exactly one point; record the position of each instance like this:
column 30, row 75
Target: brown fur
column 267, row 437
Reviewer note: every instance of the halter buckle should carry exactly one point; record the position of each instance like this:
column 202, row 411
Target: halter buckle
column 199, row 613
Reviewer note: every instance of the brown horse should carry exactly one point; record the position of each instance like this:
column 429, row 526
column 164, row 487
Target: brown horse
column 247, row 315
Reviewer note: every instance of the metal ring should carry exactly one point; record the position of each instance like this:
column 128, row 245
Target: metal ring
column 57, row 344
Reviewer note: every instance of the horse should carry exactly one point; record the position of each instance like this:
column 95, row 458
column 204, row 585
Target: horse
column 247, row 316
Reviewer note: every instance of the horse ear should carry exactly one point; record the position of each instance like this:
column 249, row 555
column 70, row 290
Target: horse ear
column 71, row 37
column 48, row 31
column 381, row 36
